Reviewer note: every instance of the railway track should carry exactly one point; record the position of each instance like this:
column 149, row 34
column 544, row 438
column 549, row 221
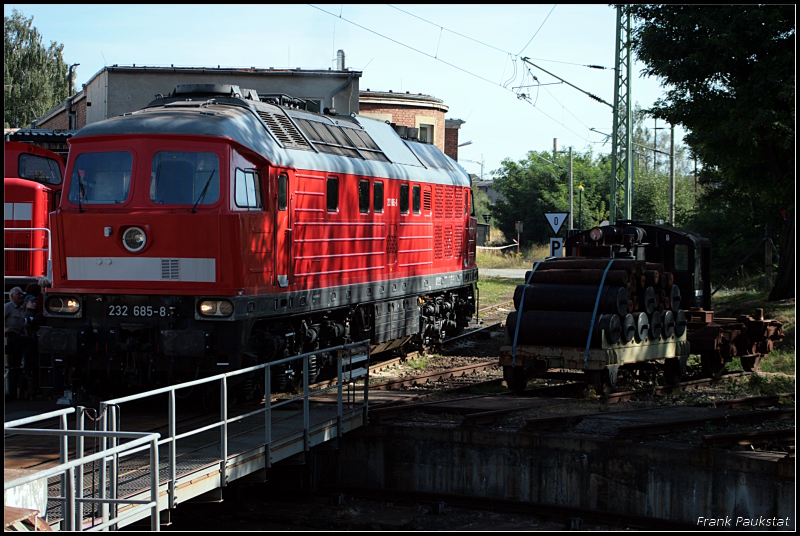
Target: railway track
column 495, row 306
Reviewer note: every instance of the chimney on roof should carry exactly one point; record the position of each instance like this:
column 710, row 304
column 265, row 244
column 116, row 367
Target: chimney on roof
column 340, row 57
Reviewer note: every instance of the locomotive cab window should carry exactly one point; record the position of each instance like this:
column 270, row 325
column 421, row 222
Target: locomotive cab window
column 377, row 194
column 415, row 199
column 363, row 196
column 101, row 178
column 247, row 193
column 333, row 194
column 39, row 169
column 283, row 189
column 185, row 178
column 404, row 198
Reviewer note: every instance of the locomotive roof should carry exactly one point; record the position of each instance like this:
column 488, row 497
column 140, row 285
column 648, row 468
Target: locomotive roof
column 292, row 137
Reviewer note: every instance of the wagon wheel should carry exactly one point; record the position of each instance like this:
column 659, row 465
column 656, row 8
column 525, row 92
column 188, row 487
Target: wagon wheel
column 751, row 363
column 516, row 378
column 712, row 364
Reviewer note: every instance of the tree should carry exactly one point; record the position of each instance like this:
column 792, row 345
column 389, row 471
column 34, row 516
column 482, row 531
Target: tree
column 730, row 74
column 533, row 186
column 35, row 78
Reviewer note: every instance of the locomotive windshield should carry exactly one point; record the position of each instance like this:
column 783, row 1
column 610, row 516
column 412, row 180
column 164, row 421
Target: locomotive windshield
column 39, row 169
column 180, row 178
column 101, row 178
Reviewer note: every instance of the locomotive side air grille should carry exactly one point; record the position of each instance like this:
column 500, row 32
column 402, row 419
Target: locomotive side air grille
column 18, row 261
column 170, row 269
column 438, row 241
column 341, row 140
column 448, row 203
column 439, row 214
column 391, row 244
column 283, row 129
column 448, row 242
column 458, row 241
column 426, row 199
column 458, row 205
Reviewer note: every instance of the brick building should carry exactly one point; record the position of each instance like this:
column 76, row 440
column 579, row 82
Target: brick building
column 415, row 110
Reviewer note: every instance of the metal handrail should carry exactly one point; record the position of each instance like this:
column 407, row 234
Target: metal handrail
column 67, row 470
column 49, row 248
column 71, row 471
column 109, row 411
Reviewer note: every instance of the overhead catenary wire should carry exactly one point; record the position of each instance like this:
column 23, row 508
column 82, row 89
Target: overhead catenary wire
column 521, row 96
column 494, row 47
column 537, row 31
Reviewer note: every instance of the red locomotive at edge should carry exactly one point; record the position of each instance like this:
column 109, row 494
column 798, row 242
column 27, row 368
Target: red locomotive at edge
column 213, row 230
column 32, row 180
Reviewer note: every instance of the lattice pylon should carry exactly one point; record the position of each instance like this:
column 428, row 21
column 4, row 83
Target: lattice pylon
column 622, row 132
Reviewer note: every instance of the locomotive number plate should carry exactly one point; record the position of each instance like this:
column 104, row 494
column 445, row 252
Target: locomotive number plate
column 136, row 310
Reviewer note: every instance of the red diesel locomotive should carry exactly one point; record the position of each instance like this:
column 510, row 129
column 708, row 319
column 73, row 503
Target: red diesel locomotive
column 212, row 231
column 32, row 180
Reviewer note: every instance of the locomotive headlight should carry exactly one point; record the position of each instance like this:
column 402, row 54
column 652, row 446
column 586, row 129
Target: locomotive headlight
column 63, row 305
column 596, row 234
column 221, row 308
column 134, row 239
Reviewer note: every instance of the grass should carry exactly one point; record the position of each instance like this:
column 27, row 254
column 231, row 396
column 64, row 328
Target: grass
column 496, row 289
column 419, row 363
column 509, row 258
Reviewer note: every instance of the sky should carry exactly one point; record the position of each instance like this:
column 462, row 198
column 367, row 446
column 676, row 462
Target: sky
column 467, row 55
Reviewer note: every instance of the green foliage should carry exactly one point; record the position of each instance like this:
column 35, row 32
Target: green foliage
column 35, row 78
column 481, row 204
column 730, row 70
column 651, row 198
column 532, row 187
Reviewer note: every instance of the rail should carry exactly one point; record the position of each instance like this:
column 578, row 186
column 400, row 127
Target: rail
column 202, row 456
column 48, row 249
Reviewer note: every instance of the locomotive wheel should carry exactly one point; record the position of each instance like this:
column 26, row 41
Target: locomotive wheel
column 751, row 363
column 515, row 378
column 712, row 365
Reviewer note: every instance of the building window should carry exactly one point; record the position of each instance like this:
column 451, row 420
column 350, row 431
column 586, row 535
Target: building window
column 247, row 189
column 377, row 192
column 333, row 194
column 404, row 198
column 415, row 194
column 363, row 196
column 426, row 133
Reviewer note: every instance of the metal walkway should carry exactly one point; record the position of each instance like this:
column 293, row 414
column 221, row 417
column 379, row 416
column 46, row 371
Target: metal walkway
column 194, row 455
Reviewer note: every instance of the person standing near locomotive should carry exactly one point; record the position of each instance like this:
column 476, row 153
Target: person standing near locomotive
column 19, row 346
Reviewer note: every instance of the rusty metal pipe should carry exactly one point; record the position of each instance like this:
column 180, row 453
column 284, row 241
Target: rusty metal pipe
column 668, row 329
column 561, row 328
column 674, row 294
column 655, row 326
column 647, row 300
column 582, row 263
column 544, row 297
column 642, row 326
column 579, row 277
column 680, row 323
column 628, row 329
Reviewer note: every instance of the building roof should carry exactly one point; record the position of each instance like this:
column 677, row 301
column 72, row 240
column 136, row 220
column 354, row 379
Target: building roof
column 401, row 99
column 253, row 124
